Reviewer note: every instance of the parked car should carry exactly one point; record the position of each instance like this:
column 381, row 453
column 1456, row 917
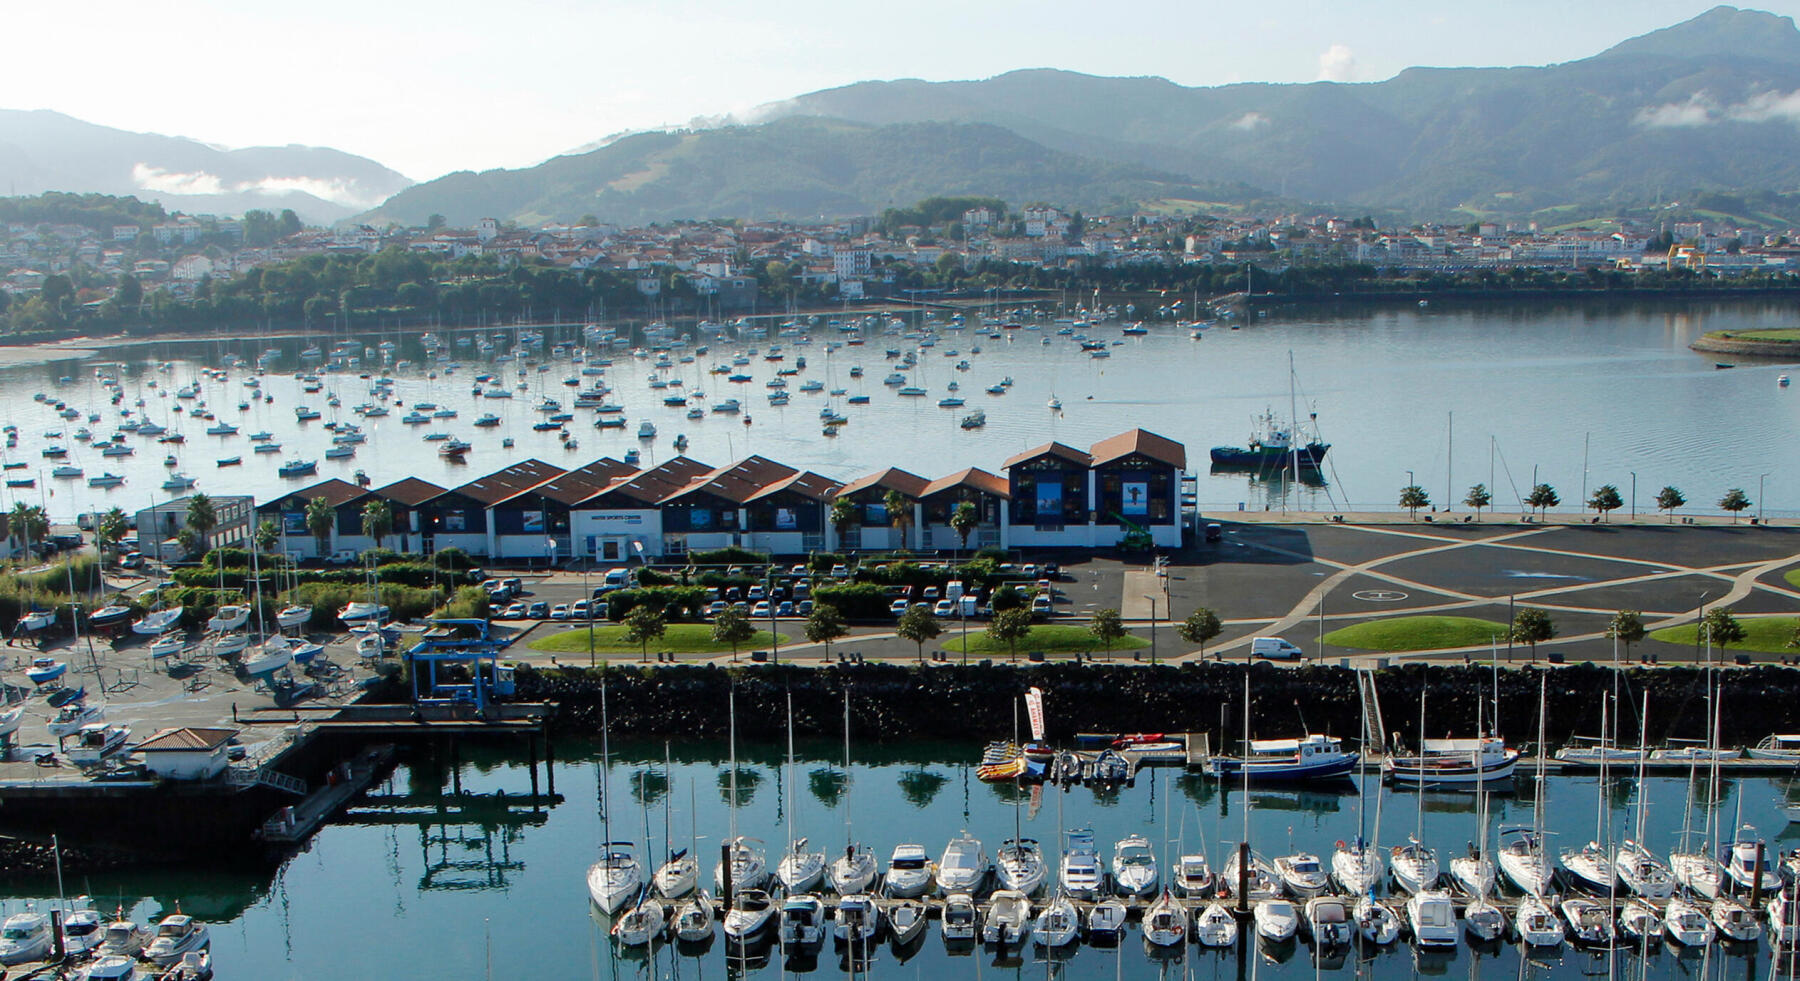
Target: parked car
column 785, row 609
column 559, row 612
column 343, row 556
column 761, row 609
column 898, row 606
column 840, row 571
column 132, row 560
column 944, row 608
column 805, row 608
column 538, row 610
column 1041, row 604
column 757, row 592
column 716, row 607
column 579, row 610
column 514, row 612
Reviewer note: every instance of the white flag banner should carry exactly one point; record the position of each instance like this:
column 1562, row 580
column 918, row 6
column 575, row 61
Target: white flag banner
column 1034, row 712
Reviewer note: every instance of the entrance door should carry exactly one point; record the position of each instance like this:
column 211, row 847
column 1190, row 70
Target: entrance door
column 610, row 549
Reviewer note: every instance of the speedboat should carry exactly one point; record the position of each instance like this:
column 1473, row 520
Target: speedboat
column 1375, row 923
column 1777, row 746
column 112, row 967
column 1215, row 927
column 1484, row 921
column 800, row 870
column 293, row 615
column 1589, row 868
column 1735, row 920
column 1328, row 920
column 678, row 876
column 960, row 920
column 963, row 867
column 1432, row 918
column 1007, row 919
column 1021, row 866
column 1193, row 877
column 1590, row 924
column 1357, row 867
column 228, row 618
column 908, row 873
column 82, row 929
column 750, row 914
column 175, row 936
column 363, row 612
column 1686, row 924
column 1134, row 867
column 616, row 877
column 1276, row 920
column 1747, row 861
column 1643, row 873
column 1414, row 866
column 124, row 937
column 157, row 622
column 1106, row 920
column 749, row 870
column 45, row 669
column 642, row 924
column 1639, row 920
column 1079, row 873
column 852, row 872
column 1522, row 861
column 71, row 717
column 1537, row 923
column 802, row 922
column 1057, row 925
column 24, row 937
column 694, row 919
column 1301, row 874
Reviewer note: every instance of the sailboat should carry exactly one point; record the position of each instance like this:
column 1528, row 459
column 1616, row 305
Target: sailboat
column 1696, row 869
column 1633, row 863
column 680, row 873
column 1588, row 867
column 1414, row 865
column 1357, row 865
column 1475, row 872
column 800, row 870
column 1522, row 860
column 1019, row 864
column 617, row 876
column 742, row 868
column 854, row 871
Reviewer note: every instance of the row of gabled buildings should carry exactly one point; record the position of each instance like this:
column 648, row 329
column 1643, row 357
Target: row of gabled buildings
column 1054, row 496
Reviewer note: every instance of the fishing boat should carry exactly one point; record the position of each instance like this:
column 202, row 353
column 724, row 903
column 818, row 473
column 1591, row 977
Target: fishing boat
column 105, row 480
column 1452, row 763
column 1273, row 442
column 297, row 468
column 96, row 741
column 1309, row 757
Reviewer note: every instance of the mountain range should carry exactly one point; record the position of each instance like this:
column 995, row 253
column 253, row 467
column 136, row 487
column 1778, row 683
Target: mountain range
column 48, row 151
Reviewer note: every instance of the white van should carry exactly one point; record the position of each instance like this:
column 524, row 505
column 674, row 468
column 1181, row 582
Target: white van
column 1274, row 648
column 616, row 579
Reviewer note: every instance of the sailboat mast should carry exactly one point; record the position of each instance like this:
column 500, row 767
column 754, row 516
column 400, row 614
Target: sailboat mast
column 605, row 765
column 1643, row 741
column 790, row 766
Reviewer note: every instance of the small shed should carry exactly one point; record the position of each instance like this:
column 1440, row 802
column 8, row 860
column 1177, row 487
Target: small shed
column 187, row 753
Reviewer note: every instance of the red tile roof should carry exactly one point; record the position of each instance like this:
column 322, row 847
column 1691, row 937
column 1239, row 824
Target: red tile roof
column 808, row 485
column 740, row 481
column 335, row 492
column 186, row 740
column 578, row 485
column 502, row 484
column 410, row 491
column 1068, row 453
column 973, row 477
column 893, row 478
column 650, row 487
column 1143, row 443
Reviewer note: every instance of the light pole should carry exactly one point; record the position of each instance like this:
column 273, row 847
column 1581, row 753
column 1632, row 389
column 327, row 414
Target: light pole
column 1634, row 495
column 1152, row 600
column 589, row 594
column 1759, row 493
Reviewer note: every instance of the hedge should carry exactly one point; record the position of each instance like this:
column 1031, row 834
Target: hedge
column 730, row 555
column 410, row 573
column 856, row 601
column 675, row 602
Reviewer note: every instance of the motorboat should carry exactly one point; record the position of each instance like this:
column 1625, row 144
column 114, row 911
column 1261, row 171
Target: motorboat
column 269, row 657
column 71, row 717
column 643, row 923
column 1747, row 861
column 24, row 937
column 1735, row 920
column 1784, row 918
column 1301, row 874
column 678, row 876
column 175, row 936
column 112, row 967
column 157, row 622
column 908, row 872
column 1057, row 924
column 1784, row 747
column 44, row 670
column 960, row 921
column 1414, row 866
column 228, row 618
column 748, row 868
column 1357, row 866
column 1007, row 919
column 125, row 938
column 1328, row 921
column 1589, row 868
column 10, row 720
column 1639, row 920
column 1686, row 924
column 1590, row 923
column 293, row 615
column 1522, row 862
column 1192, row 877
column 96, row 741
column 1643, row 873
column 1431, row 917
column 802, row 921
column 963, row 867
column 1134, row 870
column 1483, row 920
column 694, row 919
column 1375, row 922
column 750, row 914
column 1263, row 882
column 1106, row 920
column 360, row 612
column 1079, row 874
column 1452, row 763
column 906, row 920
column 1215, row 927
column 1310, row 757
column 1020, row 866
column 852, row 872
column 616, row 877
column 1277, row 920
column 35, row 620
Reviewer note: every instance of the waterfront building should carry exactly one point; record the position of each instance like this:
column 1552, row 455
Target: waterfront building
column 160, row 524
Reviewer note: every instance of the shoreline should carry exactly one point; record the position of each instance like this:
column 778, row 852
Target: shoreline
column 1747, row 343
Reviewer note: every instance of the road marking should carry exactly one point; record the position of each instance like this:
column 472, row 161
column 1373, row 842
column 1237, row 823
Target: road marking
column 1379, row 595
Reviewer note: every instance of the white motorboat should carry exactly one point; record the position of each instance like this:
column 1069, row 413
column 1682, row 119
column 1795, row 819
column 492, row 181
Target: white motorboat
column 1375, row 923
column 1522, row 861
column 1263, row 882
column 1777, row 746
column 616, row 877
column 1784, row 918
column 360, row 612
column 694, row 919
column 1134, row 870
column 749, row 870
column 1432, row 918
column 1215, row 927
column 1328, row 920
column 1057, row 924
column 24, row 937
column 1079, row 874
column 96, row 741
column 1643, row 873
column 1301, row 874
column 71, row 717
column 800, row 870
column 157, row 622
column 1357, row 866
column 1414, row 866
column 852, row 872
column 228, row 618
column 802, row 922
column 293, row 615
column 1007, row 919
column 1747, row 861
column 1639, row 921
column 111, row 967
column 1106, row 920
column 1192, row 877
column 643, row 924
column 82, row 929
column 961, row 921
column 1484, row 921
column 125, row 938
column 175, row 936
column 678, row 876
column 963, row 867
column 1277, row 920
column 1020, row 866
column 1537, row 923
column 1589, row 868
column 1590, row 923
column 1686, row 923
column 1735, row 920
column 908, row 872
column 750, row 914
column 1165, row 922
column 906, row 920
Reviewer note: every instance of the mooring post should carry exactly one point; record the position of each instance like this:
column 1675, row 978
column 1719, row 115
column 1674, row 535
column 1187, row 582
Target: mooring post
column 56, row 935
column 725, row 869
column 1243, row 883
column 1756, row 891
column 455, row 766
column 549, row 763
column 531, row 755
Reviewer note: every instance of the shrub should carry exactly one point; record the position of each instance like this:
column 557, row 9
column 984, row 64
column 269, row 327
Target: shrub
column 468, row 602
column 856, row 601
column 730, row 555
column 673, row 602
column 823, row 561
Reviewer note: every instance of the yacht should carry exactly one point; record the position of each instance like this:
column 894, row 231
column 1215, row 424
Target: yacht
column 175, row 936
column 694, row 919
column 1134, row 870
column 96, row 741
column 1264, row 883
column 1643, row 873
column 1193, row 877
column 1537, row 923
column 643, row 924
column 1301, row 874
column 24, row 937
column 750, row 914
column 1522, row 861
column 1589, row 868
column 1414, row 866
column 1735, row 920
column 678, row 876
column 909, row 872
column 1686, row 924
column 1357, row 866
column 963, row 867
column 1484, row 921
column 616, row 877
column 1432, row 918
column 1639, row 921
column 1590, row 923
column 82, row 929
column 749, row 870
column 1747, row 850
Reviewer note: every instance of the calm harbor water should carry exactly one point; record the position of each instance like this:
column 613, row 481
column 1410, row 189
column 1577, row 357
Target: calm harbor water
column 1453, row 395
column 420, row 881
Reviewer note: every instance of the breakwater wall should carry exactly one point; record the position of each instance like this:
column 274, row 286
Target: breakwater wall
column 895, row 702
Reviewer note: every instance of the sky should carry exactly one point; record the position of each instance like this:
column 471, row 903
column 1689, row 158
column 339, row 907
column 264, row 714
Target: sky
column 427, row 88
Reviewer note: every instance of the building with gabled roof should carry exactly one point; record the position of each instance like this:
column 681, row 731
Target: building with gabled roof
column 187, row 753
column 624, row 518
column 792, row 515
column 535, row 521
column 874, row 526
column 709, row 512
column 940, row 499
column 1062, row 496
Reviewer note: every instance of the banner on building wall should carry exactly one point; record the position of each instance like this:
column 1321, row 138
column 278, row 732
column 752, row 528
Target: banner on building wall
column 533, row 521
column 1049, row 498
column 1134, row 498
column 786, row 519
column 875, row 514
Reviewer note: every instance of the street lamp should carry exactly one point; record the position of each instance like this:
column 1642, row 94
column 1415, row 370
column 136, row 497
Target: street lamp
column 1152, row 600
column 1759, row 495
column 1634, row 495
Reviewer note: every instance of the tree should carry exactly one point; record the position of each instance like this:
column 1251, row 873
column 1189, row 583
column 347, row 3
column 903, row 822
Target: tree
column 1478, row 498
column 843, row 515
column 1009, row 627
column 111, row 529
column 1668, row 499
column 1627, row 627
column 1735, row 500
column 964, row 520
column 377, row 520
column 732, row 626
column 188, row 542
column 130, row 292
column 1532, row 626
column 1721, row 628
column 268, row 535
column 1542, row 498
column 1200, row 626
column 1606, row 499
column 203, row 518
column 918, row 625
column 1007, row 597
column 1107, row 626
column 643, row 625
column 1413, row 497
column 321, row 517
column 27, row 522
column 899, row 512
column 825, row 625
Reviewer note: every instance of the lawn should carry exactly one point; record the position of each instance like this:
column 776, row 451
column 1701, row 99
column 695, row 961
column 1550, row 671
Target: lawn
column 1793, row 577
column 1416, row 633
column 683, row 638
column 1762, row 334
column 1049, row 638
column 1767, row 635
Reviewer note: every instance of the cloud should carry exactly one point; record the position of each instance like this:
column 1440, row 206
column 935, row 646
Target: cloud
column 1337, row 64
column 150, row 178
column 1249, row 121
column 1701, row 110
column 1698, row 110
column 157, row 180
column 1767, row 107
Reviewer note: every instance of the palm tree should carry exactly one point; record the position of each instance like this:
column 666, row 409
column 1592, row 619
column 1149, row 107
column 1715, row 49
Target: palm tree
column 321, row 517
column 843, row 515
column 203, row 518
column 964, row 520
column 27, row 522
column 377, row 520
column 899, row 511
column 111, row 528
